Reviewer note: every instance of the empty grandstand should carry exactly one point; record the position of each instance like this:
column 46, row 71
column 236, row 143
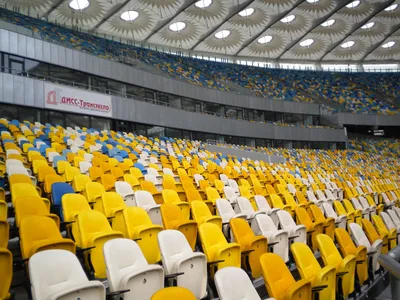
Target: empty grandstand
column 199, row 149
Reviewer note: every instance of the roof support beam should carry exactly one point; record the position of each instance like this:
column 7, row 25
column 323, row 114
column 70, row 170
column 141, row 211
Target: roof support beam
column 326, row 18
column 52, row 8
column 273, row 22
column 162, row 24
column 380, row 8
column 226, row 19
column 376, row 46
column 112, row 12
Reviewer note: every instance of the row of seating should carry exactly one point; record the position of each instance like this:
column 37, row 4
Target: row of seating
column 236, row 211
column 357, row 93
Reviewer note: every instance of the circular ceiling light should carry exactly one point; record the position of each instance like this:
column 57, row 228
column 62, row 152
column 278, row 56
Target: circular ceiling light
column 203, row 3
column 312, row 1
column 391, row 7
column 328, row 23
column 348, row 44
column 265, row 39
column 353, row 4
column 246, row 12
column 79, row 4
column 177, row 26
column 389, row 44
column 222, row 34
column 129, row 15
column 288, row 19
column 368, row 25
column 307, row 43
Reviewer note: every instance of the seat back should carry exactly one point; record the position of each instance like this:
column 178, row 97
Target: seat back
column 30, row 206
column 111, row 203
column 262, row 203
column 93, row 190
column 144, row 199
column 58, row 272
column 306, row 262
column 328, row 250
column 358, row 235
column 171, row 214
column 124, row 259
column 225, row 210
column 370, row 230
column 387, row 220
column 170, row 196
column 329, row 211
column 73, row 204
column 212, row 194
column 234, row 284
column 245, row 206
column 6, row 274
column 79, row 182
column 286, row 220
column 276, row 201
column 263, row 224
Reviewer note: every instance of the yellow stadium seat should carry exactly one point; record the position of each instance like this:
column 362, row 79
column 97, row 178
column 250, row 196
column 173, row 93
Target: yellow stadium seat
column 109, row 204
column 6, row 274
column 383, row 230
column 94, row 231
column 117, row 173
column 279, row 281
column 345, row 267
column 328, row 223
column 70, row 173
column 25, row 189
column 173, row 293
column 49, row 180
column 341, row 211
column 212, row 195
column 93, row 191
column 32, row 206
column 95, row 173
column 133, row 181
column 218, row 251
column 373, row 235
column 3, row 210
column 347, row 247
column 173, row 218
column 310, row 269
column 79, row 182
column 45, row 170
column 250, row 245
column 151, row 188
column 202, row 214
column 136, row 225
column 137, row 173
column 72, row 205
column 301, row 199
column 36, row 164
column 39, row 233
column 351, row 210
column 108, row 181
column 170, row 196
column 61, row 166
column 313, row 228
column 4, row 233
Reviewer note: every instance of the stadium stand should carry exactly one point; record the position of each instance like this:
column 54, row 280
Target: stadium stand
column 115, row 220
column 364, row 93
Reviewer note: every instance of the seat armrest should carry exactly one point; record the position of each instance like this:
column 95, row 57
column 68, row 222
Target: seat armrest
column 341, row 274
column 174, row 275
column 211, row 263
column 247, row 252
column 82, row 286
column 301, row 226
column 293, row 237
column 359, row 262
column 298, row 285
column 371, row 253
column 318, row 288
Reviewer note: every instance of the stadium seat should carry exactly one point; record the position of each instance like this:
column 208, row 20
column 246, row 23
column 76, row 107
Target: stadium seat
column 172, row 293
column 127, row 269
column 39, row 233
column 310, row 269
column 373, row 235
column 93, row 191
column 150, row 187
column 173, row 218
column 201, row 214
column 328, row 223
column 347, row 247
column 345, row 267
column 109, row 204
column 279, row 239
column 94, row 231
column 57, row 274
column 79, row 182
column 146, row 201
column 374, row 249
column 219, row 252
column 279, row 281
column 340, row 221
column 178, row 257
column 234, row 284
column 6, row 275
column 136, row 225
column 297, row 233
column 384, row 230
column 251, row 246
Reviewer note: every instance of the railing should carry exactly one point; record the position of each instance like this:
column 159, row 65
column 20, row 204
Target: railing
column 137, row 98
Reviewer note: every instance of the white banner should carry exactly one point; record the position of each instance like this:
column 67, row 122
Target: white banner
column 76, row 101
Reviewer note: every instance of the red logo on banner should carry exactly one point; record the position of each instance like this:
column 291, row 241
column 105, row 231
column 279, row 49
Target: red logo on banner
column 52, row 98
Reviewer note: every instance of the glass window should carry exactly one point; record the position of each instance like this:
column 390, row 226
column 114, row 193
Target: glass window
column 8, row 111
column 260, row 143
column 187, row 135
column 57, row 118
column 174, row 133
column 135, row 91
column 163, row 98
column 100, row 123
column 141, row 129
column 315, row 120
column 122, row 126
column 99, row 84
column 116, row 87
column 250, row 142
column 77, row 120
column 155, row 131
column 28, row 114
column 269, row 116
column 213, row 108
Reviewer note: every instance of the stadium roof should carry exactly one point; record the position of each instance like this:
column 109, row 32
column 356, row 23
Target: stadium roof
column 285, row 30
